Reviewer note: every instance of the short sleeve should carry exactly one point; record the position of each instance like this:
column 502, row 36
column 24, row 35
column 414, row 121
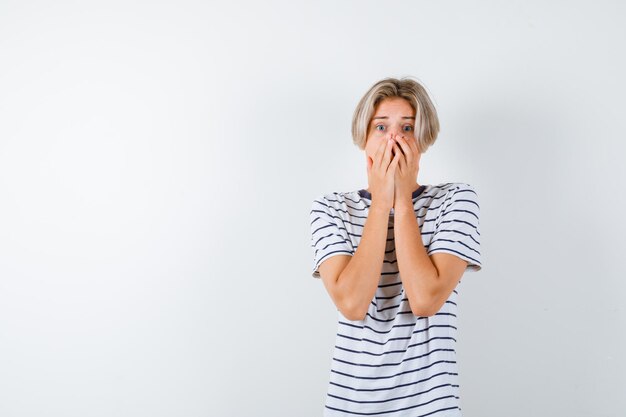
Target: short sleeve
column 327, row 239
column 457, row 230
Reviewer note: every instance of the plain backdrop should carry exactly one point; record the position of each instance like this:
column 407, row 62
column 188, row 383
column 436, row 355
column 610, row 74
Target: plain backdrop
column 158, row 161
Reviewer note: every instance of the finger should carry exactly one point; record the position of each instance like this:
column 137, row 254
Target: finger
column 394, row 162
column 387, row 155
column 406, row 149
column 378, row 155
column 412, row 141
column 397, row 154
column 402, row 159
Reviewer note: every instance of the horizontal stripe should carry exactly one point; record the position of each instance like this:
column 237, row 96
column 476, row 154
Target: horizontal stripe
column 345, row 243
column 364, row 352
column 466, row 237
column 380, row 365
column 402, row 409
column 343, row 251
column 396, row 306
column 391, row 376
column 393, row 339
column 391, row 297
column 393, row 398
column 363, row 339
column 390, row 285
column 456, row 241
column 462, row 210
column 400, row 312
column 473, row 226
column 408, row 313
column 393, row 386
column 386, row 308
column 412, row 324
column 377, row 331
column 476, row 261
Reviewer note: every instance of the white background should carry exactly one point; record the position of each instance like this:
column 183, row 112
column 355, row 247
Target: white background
column 158, row 161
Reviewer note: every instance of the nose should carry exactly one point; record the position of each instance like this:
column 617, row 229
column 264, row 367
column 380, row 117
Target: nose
column 394, row 132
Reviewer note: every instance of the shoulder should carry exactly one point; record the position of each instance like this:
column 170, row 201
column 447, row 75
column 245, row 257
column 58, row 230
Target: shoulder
column 446, row 187
column 442, row 188
column 442, row 192
column 451, row 197
column 456, row 190
column 461, row 200
column 464, row 187
column 466, row 193
column 335, row 199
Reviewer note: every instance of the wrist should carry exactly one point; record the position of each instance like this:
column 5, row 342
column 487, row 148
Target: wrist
column 403, row 203
column 377, row 207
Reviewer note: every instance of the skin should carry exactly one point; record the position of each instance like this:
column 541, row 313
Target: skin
column 427, row 280
column 394, row 119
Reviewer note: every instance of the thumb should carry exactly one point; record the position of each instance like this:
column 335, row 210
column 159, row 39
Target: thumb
column 395, row 163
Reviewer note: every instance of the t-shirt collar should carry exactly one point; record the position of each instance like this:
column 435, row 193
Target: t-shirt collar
column 366, row 194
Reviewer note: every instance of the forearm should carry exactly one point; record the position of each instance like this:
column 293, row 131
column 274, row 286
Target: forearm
column 419, row 275
column 359, row 280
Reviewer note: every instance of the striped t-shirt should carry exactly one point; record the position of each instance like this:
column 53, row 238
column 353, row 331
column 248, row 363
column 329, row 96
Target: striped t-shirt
column 394, row 363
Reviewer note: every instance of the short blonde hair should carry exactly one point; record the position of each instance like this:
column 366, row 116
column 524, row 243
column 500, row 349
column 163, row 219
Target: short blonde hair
column 426, row 120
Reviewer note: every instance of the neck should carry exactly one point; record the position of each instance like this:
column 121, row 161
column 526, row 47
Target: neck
column 415, row 187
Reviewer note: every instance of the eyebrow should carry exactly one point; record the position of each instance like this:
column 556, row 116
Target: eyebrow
column 385, row 117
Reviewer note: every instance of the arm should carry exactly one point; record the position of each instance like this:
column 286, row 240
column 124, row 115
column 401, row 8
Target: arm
column 354, row 287
column 427, row 283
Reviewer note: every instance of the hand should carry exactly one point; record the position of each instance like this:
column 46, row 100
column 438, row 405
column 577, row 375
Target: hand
column 408, row 168
column 380, row 174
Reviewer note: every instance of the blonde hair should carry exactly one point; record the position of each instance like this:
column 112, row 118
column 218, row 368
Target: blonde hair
column 426, row 120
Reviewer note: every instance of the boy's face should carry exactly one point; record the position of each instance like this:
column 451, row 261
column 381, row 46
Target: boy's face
column 393, row 117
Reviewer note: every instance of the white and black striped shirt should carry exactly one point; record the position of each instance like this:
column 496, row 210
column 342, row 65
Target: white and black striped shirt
column 394, row 363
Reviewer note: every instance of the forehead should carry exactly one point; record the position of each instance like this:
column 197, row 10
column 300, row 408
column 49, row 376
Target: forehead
column 391, row 109
column 392, row 105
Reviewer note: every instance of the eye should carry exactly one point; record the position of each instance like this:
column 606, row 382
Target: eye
column 410, row 128
column 377, row 127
